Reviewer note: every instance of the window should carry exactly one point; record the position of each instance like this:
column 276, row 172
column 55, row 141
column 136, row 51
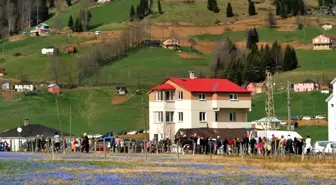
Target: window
column 169, row 95
column 169, row 117
column 180, row 116
column 216, row 116
column 158, row 116
column 233, row 96
column 202, row 117
column 202, row 96
column 324, row 40
column 158, row 96
column 180, row 95
column 232, row 116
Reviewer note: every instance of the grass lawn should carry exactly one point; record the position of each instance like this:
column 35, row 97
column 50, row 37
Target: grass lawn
column 316, row 133
column 147, row 67
column 31, row 61
column 304, row 36
column 302, row 104
column 92, row 111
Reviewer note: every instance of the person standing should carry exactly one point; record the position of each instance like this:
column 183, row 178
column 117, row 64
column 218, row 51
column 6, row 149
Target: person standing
column 289, row 145
column 86, row 143
column 253, row 143
column 308, row 145
column 57, row 142
column 246, row 144
column 198, row 144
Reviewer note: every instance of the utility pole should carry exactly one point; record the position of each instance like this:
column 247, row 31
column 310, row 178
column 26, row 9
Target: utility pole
column 289, row 124
column 70, row 120
column 144, row 116
column 59, row 121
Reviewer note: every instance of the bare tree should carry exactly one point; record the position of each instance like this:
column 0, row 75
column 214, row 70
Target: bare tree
column 192, row 41
column 271, row 20
column 54, row 68
column 300, row 20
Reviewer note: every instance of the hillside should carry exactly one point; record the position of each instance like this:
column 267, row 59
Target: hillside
column 142, row 68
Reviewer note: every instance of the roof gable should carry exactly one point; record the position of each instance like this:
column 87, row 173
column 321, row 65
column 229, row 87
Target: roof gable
column 325, row 36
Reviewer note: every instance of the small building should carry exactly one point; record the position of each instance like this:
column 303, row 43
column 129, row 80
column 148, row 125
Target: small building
column 327, row 27
column 121, row 90
column 324, row 89
column 54, row 89
column 50, row 51
column 24, row 87
column 324, row 42
column 103, row 1
column 267, row 123
column 331, row 100
column 5, row 86
column 171, row 44
column 255, row 87
column 306, row 86
column 70, row 49
column 41, row 29
column 2, row 71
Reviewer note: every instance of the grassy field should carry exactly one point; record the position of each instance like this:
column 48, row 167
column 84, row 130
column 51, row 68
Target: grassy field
column 92, row 111
column 302, row 104
column 147, row 67
column 304, row 36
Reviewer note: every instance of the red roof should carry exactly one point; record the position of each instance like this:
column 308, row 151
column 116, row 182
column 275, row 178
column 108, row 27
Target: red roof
column 2, row 69
column 326, row 36
column 164, row 86
column 208, row 85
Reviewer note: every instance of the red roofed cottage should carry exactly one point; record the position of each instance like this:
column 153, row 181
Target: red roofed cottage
column 323, row 42
column 195, row 103
column 54, row 89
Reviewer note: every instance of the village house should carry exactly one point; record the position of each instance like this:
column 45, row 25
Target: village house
column 306, row 86
column 331, row 100
column 24, row 87
column 255, row 87
column 2, row 71
column 196, row 103
column 171, row 44
column 323, row 42
column 54, row 89
column 324, row 89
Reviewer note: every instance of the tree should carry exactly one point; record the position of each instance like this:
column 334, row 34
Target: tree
column 271, row 19
column 294, row 60
column 212, row 6
column 159, row 7
column 283, row 11
column 252, row 38
column 277, row 8
column 78, row 25
column 85, row 18
column 287, row 64
column 132, row 13
column 192, row 41
column 71, row 23
column 251, row 9
column 51, row 3
column 54, row 68
column 229, row 11
column 43, row 11
column 68, row 2
column 151, row 2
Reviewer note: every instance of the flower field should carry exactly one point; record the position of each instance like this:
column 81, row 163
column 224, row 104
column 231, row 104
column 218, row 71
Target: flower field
column 20, row 169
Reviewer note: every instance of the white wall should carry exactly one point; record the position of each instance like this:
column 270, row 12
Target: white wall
column 332, row 119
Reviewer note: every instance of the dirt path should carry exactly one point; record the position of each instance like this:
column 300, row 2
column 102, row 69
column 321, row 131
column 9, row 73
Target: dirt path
column 189, row 55
column 120, row 99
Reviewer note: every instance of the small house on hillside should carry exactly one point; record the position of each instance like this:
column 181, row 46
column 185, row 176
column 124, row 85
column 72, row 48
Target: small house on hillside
column 5, row 86
column 324, row 89
column 255, row 87
column 121, row 90
column 41, row 29
column 24, row 87
column 327, row 27
column 2, row 71
column 103, row 1
column 54, row 89
column 171, row 44
column 324, row 42
column 306, row 86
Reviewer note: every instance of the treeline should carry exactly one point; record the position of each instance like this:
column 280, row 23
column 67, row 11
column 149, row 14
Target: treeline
column 90, row 62
column 288, row 8
column 213, row 6
column 242, row 67
column 143, row 9
column 326, row 3
column 82, row 22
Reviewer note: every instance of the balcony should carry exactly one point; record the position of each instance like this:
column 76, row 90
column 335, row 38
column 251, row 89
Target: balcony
column 231, row 104
column 230, row 124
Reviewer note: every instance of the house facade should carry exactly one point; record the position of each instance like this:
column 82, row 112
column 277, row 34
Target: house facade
column 306, row 86
column 22, row 87
column 171, row 44
column 323, row 42
column 54, row 89
column 331, row 100
column 195, row 103
column 255, row 87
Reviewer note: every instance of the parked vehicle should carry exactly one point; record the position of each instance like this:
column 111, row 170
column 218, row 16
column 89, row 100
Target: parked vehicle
column 330, row 148
column 319, row 146
column 98, row 32
column 318, row 117
column 268, row 134
column 1, row 147
column 306, row 118
column 107, row 137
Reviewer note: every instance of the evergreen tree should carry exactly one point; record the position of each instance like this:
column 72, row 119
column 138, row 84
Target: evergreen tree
column 212, row 6
column 283, row 11
column 151, row 2
column 255, row 36
column 251, row 9
column 294, row 60
column 249, row 42
column 71, row 23
column 229, row 11
column 43, row 11
column 302, row 9
column 51, row 3
column 277, row 8
column 132, row 13
column 159, row 7
column 68, row 2
column 138, row 12
column 78, row 25
column 271, row 21
column 286, row 64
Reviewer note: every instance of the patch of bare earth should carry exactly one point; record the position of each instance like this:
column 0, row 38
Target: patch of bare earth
column 8, row 95
column 120, row 99
column 188, row 55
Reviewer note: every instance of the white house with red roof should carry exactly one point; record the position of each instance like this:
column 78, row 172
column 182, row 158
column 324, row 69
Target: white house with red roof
column 324, row 42
column 195, row 103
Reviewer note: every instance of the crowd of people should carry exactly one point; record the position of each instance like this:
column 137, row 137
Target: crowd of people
column 255, row 146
